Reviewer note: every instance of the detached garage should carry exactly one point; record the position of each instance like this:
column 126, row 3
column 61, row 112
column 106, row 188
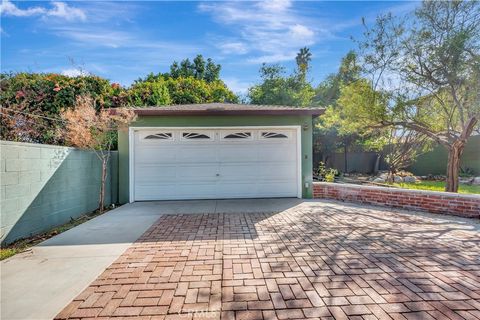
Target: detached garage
column 217, row 151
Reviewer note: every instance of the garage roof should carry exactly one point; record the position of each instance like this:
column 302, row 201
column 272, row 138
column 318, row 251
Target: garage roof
column 226, row 109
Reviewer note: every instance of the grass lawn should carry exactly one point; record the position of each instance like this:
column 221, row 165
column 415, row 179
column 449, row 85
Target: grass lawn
column 438, row 186
column 23, row 244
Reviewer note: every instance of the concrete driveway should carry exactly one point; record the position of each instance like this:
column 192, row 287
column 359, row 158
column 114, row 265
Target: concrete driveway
column 37, row 284
column 251, row 259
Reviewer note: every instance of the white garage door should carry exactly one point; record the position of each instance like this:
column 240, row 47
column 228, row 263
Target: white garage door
column 215, row 164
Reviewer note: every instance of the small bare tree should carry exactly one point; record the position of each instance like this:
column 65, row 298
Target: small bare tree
column 87, row 128
column 403, row 148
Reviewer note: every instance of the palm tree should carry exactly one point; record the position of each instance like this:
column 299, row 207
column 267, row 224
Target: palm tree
column 304, row 56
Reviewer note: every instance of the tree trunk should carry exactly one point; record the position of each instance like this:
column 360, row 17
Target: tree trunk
column 453, row 166
column 391, row 175
column 455, row 151
column 376, row 166
column 345, row 149
column 101, row 202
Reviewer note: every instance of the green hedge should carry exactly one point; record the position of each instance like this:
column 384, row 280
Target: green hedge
column 32, row 101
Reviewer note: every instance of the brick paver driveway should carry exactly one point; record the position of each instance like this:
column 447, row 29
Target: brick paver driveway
column 317, row 260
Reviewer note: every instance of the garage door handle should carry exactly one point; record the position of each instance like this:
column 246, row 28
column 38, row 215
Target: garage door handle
column 218, row 174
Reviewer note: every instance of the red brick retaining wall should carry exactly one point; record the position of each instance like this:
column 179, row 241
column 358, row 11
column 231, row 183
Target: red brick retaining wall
column 436, row 202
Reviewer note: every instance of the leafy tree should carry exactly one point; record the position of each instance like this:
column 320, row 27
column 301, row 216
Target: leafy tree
column 332, row 130
column 191, row 90
column 187, row 82
column 357, row 105
column 199, row 69
column 186, row 68
column 429, row 64
column 87, row 128
column 359, row 102
column 356, row 98
column 174, row 70
column 328, row 91
column 276, row 88
column 155, row 93
column 156, row 90
column 212, row 71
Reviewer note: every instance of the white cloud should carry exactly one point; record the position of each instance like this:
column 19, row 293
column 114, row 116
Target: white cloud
column 95, row 36
column 62, row 10
column 74, row 72
column 271, row 29
column 272, row 58
column 233, row 47
column 59, row 10
column 301, row 31
column 275, row 5
column 237, row 85
column 9, row 9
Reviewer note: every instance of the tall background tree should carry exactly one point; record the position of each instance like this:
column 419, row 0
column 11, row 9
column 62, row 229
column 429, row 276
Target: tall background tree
column 278, row 88
column 428, row 63
column 187, row 82
column 303, row 59
column 333, row 131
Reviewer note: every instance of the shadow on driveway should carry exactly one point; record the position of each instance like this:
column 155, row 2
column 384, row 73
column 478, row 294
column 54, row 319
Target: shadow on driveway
column 313, row 259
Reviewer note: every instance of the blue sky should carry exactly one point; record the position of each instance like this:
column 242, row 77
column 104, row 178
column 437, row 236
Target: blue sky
column 123, row 41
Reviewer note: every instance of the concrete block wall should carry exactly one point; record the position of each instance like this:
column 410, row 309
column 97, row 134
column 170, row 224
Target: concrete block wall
column 465, row 205
column 44, row 186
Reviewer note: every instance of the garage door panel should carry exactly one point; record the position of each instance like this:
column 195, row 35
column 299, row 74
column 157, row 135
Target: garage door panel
column 155, row 173
column 155, row 154
column 258, row 173
column 237, row 153
column 233, row 189
column 238, row 171
column 284, row 153
column 256, row 166
column 160, row 192
column 197, row 172
column 196, row 190
column 204, row 153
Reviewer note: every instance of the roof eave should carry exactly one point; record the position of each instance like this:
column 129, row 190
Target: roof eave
column 159, row 112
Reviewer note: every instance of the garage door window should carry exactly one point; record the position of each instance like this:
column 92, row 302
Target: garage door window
column 238, row 135
column 273, row 135
column 195, row 136
column 160, row 136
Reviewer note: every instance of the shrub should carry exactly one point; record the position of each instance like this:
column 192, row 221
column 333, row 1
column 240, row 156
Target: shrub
column 326, row 174
column 31, row 102
column 191, row 90
column 149, row 94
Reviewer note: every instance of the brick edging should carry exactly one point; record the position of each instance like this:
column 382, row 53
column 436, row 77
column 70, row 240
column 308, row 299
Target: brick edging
column 431, row 201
